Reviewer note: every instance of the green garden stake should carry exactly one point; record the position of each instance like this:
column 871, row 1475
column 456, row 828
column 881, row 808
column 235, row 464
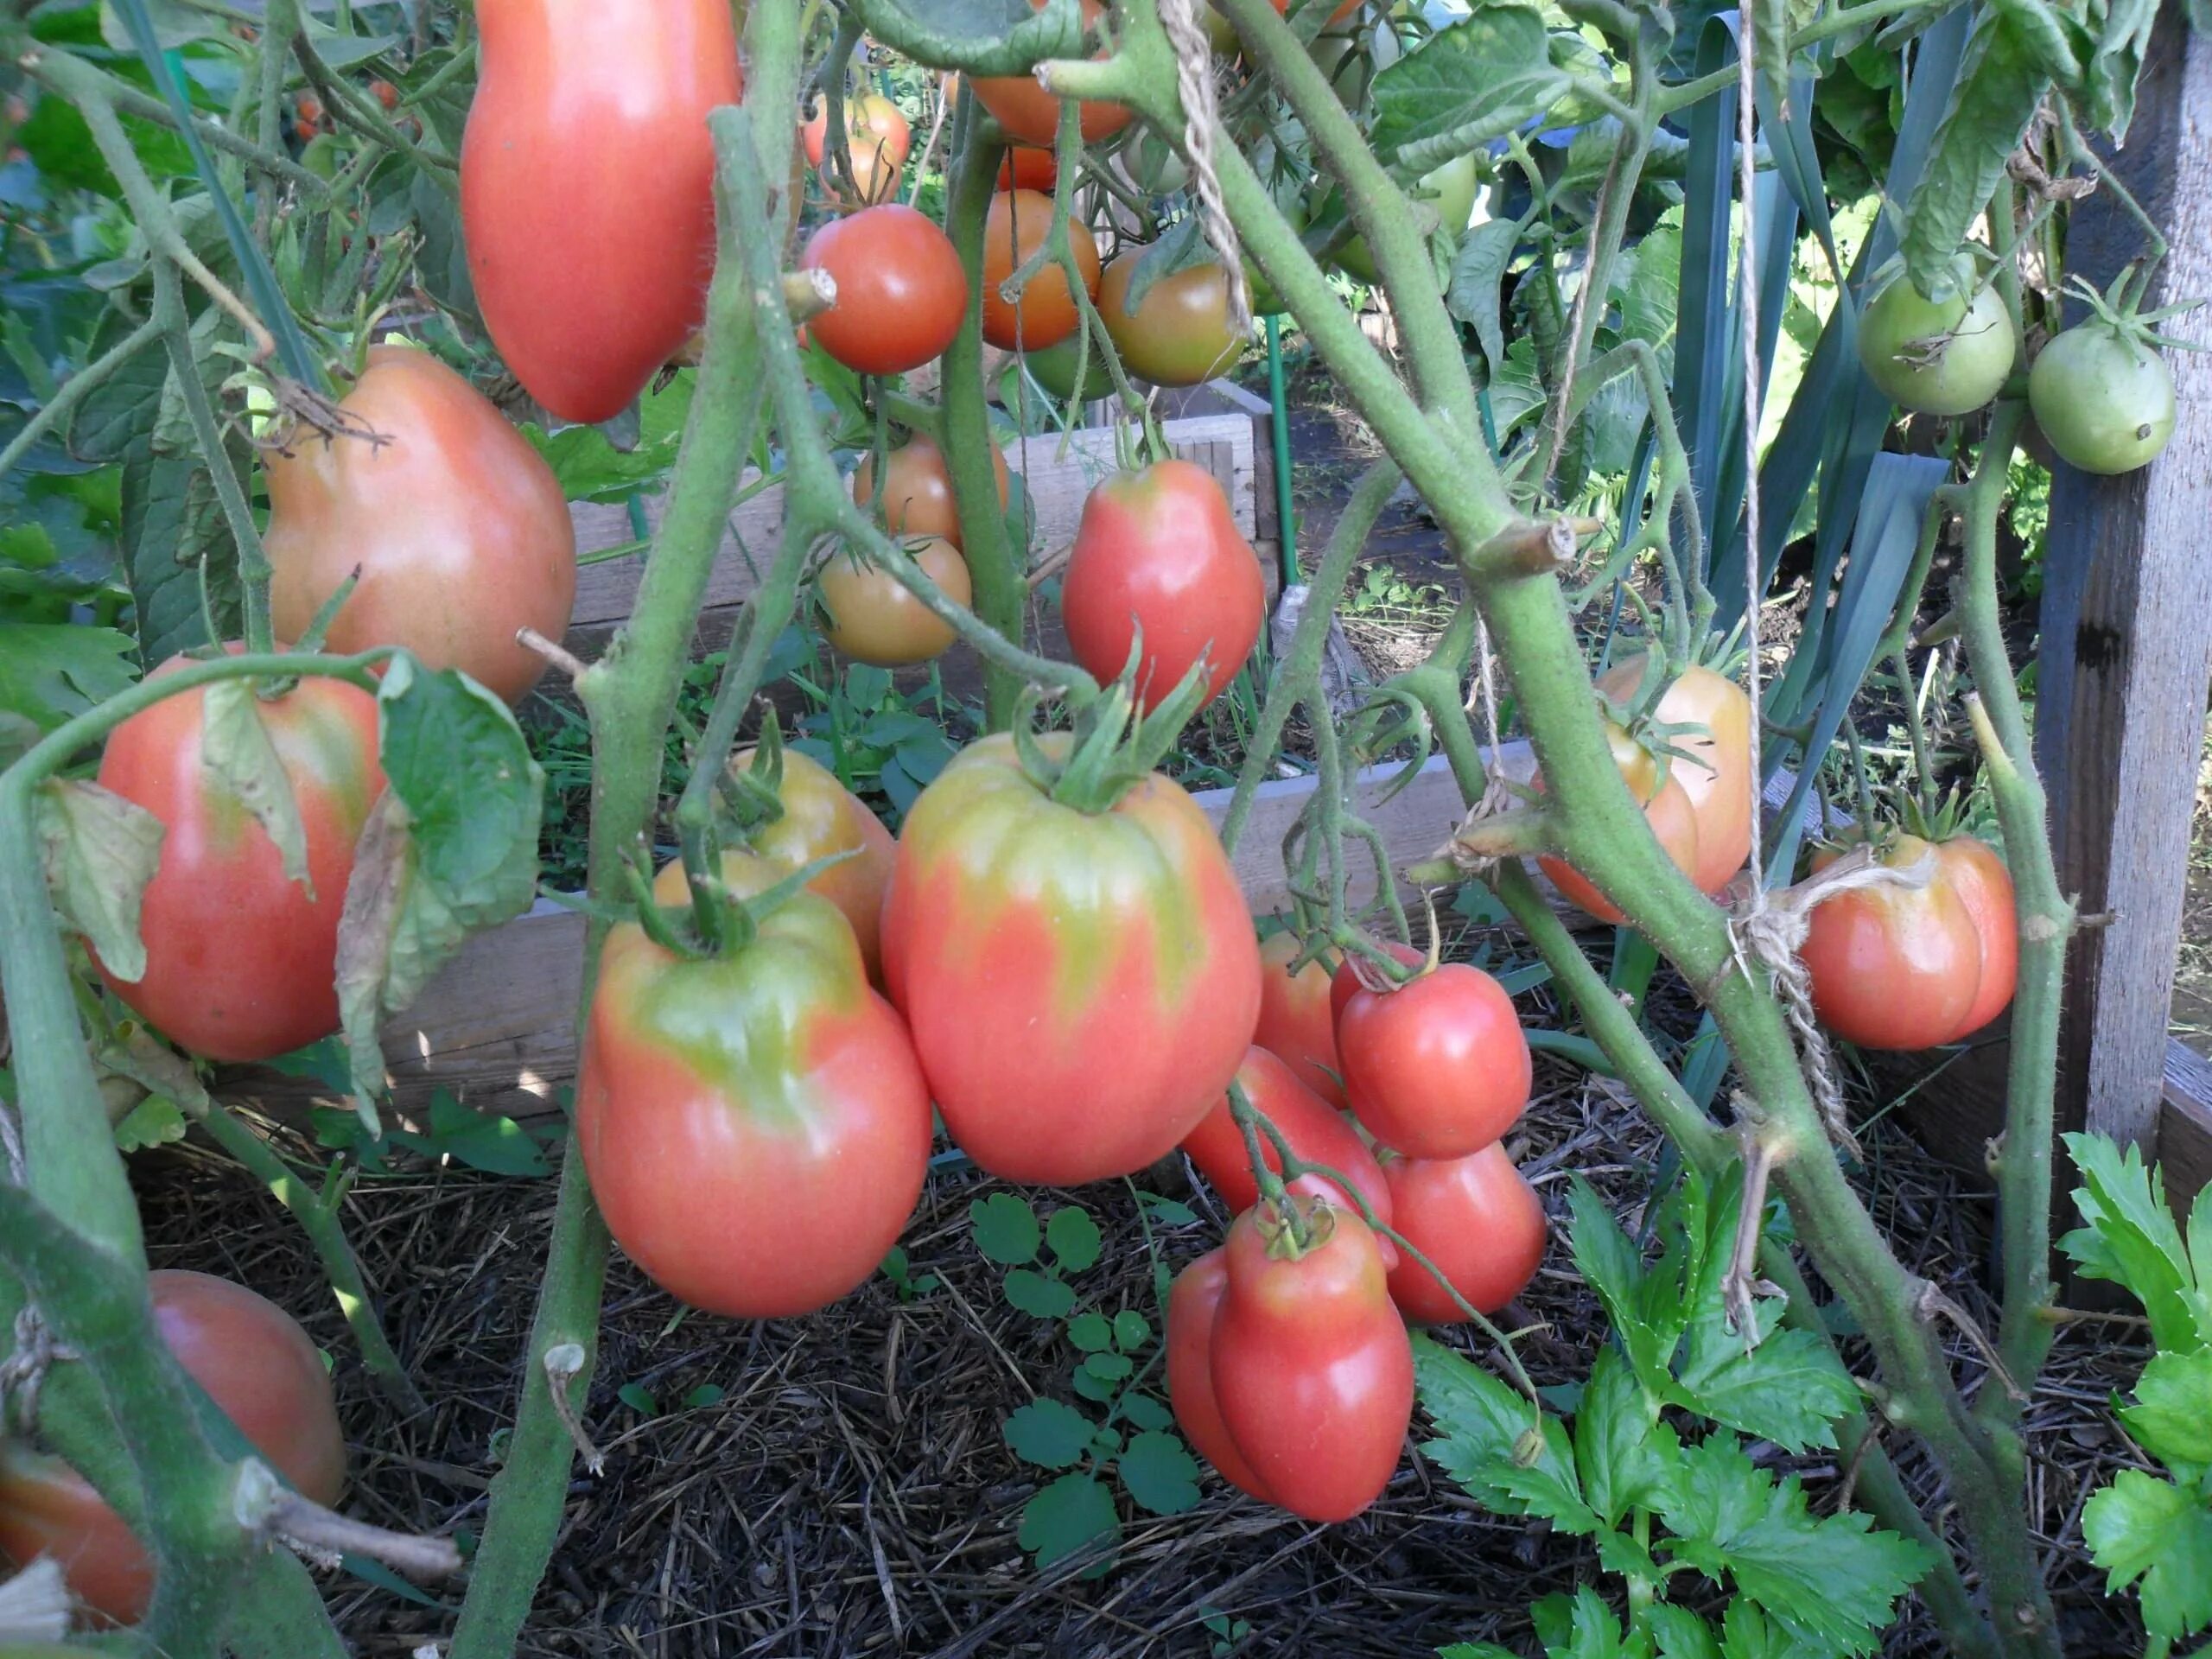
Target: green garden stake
column 1286, row 518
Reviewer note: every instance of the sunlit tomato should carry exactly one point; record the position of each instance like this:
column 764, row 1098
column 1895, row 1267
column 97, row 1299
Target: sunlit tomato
column 1667, row 808
column 1028, row 168
column 874, row 619
column 1317, row 1132
column 256, row 1363
column 1081, row 986
column 456, row 524
column 1312, row 1371
column 1032, row 116
column 754, row 1125
column 877, row 140
column 1437, row 1068
column 1157, row 551
column 821, row 819
column 918, row 497
column 1179, row 334
column 1016, row 228
column 901, row 290
column 1298, row 1025
column 1191, row 1306
column 240, row 961
column 1938, row 357
column 1713, row 765
column 1894, row 967
column 1345, row 980
column 2104, row 399
column 1477, row 1218
column 587, row 188
column 1985, row 887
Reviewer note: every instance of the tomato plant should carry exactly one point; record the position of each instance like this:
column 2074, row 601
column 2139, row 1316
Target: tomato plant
column 456, row 527
column 1081, row 985
column 2103, row 398
column 1178, row 334
column 872, row 618
column 1046, row 313
column 1477, row 1218
column 901, row 290
column 1317, row 1131
column 917, row 497
column 1159, row 563
column 1298, row 1020
column 586, row 189
column 755, row 1125
column 1436, row 1067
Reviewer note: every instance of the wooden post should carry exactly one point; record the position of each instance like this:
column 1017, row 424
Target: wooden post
column 2126, row 650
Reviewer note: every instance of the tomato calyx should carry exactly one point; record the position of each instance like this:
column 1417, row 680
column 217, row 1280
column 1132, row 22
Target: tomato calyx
column 720, row 921
column 1380, row 974
column 1115, row 749
column 1295, row 1224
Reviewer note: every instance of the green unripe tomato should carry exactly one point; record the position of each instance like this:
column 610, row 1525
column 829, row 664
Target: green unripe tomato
column 1450, row 189
column 1053, row 368
column 1156, row 166
column 2105, row 401
column 1937, row 357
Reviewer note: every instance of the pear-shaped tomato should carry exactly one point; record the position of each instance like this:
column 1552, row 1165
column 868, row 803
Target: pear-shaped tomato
column 1667, row 808
column 256, row 1363
column 1476, row 1218
column 588, row 188
column 917, row 499
column 1032, row 116
column 1192, row 1305
column 457, row 526
column 1178, row 333
column 1157, row 553
column 1047, row 312
column 821, row 818
column 1081, row 986
column 1317, row 1131
column 754, row 1125
column 241, row 961
column 1439, row 1067
column 1298, row 1021
column 1895, row 967
column 874, row 619
column 1713, row 762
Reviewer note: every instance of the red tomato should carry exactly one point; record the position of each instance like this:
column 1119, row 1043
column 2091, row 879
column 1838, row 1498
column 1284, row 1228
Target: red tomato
column 1032, row 116
column 457, row 525
column 874, row 619
column 1298, row 1023
column 1476, row 1218
column 1317, row 1132
column 587, row 188
column 877, row 140
column 256, row 1363
column 307, row 115
column 821, row 818
column 386, row 93
column 1046, row 314
column 1179, row 334
column 918, row 497
column 1714, row 765
column 1985, row 887
column 1081, row 987
column 755, row 1127
column 1667, row 808
column 1156, row 551
column 1025, row 168
column 1345, row 980
column 1437, row 1068
column 1894, row 968
column 240, row 963
column 1191, row 1306
column 901, row 290
column 1310, row 1364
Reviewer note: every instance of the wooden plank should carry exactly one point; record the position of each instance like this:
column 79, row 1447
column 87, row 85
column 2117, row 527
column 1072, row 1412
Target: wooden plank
column 1224, row 444
column 2186, row 1123
column 2125, row 654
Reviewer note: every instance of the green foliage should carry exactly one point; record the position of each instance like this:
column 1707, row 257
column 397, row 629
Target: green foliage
column 449, row 1131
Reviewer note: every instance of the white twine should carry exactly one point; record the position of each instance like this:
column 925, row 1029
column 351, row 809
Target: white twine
column 1194, row 80
column 1748, row 310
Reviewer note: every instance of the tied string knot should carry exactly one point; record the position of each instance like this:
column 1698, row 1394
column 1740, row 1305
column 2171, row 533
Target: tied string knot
column 24, row 1371
column 1194, row 82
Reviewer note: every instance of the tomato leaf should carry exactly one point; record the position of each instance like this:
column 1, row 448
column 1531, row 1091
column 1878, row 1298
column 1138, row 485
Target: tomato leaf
column 1035, row 1294
column 486, row 1141
column 1074, row 1239
column 1159, row 1472
column 1006, row 1229
column 2142, row 1528
column 2172, row 1418
column 235, row 745
column 154, row 1122
column 52, row 672
column 1180, row 247
column 1479, row 80
column 1999, row 85
column 1064, row 1516
column 1477, row 272
column 1049, row 1433
column 100, row 851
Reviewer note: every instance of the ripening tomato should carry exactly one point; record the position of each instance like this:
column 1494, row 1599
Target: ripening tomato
column 821, row 818
column 1028, row 168
column 754, row 1125
column 1894, row 967
column 384, row 93
column 1714, row 765
column 456, row 524
column 1156, row 552
column 874, row 619
column 1345, row 980
column 1317, row 1132
column 1082, row 986
column 901, row 290
column 918, row 497
column 1298, row 1023
column 1477, row 1218
column 1192, row 1308
column 877, row 140
column 1938, row 357
column 1449, row 190
column 1047, row 312
column 1439, row 1067
column 587, row 188
column 257, row 1363
column 1667, row 808
column 1032, row 116
column 241, row 961
column 1985, row 887
column 1178, row 333
column 1311, row 1367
